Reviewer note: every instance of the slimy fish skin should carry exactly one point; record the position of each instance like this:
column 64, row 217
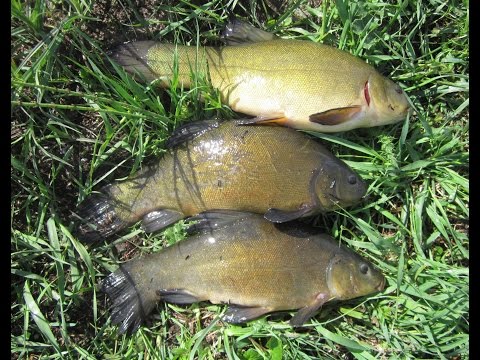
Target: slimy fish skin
column 251, row 264
column 275, row 171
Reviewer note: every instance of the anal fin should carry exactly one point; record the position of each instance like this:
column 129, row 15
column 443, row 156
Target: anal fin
column 177, row 296
column 240, row 314
column 158, row 219
column 210, row 220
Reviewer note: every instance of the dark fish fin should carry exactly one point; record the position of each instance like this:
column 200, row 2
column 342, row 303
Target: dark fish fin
column 177, row 296
column 158, row 219
column 132, row 57
column 215, row 219
column 259, row 120
column 238, row 32
column 97, row 217
column 305, row 313
column 129, row 308
column 335, row 116
column 280, row 216
column 190, row 131
column 298, row 229
column 239, row 314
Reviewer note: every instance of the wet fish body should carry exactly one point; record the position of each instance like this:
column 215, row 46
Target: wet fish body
column 297, row 83
column 274, row 171
column 241, row 259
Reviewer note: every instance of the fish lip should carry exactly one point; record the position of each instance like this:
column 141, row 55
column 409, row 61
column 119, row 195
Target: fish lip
column 335, row 199
column 381, row 285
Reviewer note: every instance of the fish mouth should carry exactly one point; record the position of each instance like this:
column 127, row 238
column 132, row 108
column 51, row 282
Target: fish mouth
column 333, row 198
column 343, row 202
column 381, row 285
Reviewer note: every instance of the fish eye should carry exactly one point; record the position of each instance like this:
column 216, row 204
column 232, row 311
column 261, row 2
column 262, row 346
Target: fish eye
column 352, row 179
column 364, row 269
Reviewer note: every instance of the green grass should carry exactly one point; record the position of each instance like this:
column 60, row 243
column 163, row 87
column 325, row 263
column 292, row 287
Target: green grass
column 78, row 122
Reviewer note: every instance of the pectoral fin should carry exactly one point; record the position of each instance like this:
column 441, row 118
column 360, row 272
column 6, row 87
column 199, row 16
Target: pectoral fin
column 158, row 219
column 177, row 296
column 335, row 116
column 308, row 311
column 280, row 216
column 238, row 314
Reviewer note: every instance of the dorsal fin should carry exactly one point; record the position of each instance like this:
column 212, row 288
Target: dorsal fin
column 190, row 131
column 238, row 32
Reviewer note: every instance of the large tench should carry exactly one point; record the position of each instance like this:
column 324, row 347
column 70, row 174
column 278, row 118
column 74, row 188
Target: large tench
column 296, row 83
column 275, row 171
column 240, row 259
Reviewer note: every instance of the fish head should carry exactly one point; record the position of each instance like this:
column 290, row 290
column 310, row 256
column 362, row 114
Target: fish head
column 337, row 185
column 387, row 102
column 350, row 276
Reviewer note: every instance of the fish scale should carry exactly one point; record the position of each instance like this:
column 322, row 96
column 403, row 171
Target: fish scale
column 296, row 83
column 245, row 261
column 275, row 171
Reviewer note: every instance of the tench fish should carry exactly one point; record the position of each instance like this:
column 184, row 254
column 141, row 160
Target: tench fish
column 296, row 83
column 270, row 170
column 240, row 259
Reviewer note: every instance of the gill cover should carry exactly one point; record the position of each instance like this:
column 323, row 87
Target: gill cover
column 349, row 276
column 337, row 185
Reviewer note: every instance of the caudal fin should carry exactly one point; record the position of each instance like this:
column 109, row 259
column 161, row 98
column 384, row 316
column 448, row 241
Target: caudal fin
column 133, row 58
column 98, row 218
column 129, row 307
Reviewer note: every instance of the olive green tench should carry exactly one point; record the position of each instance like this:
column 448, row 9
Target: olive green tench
column 272, row 170
column 240, row 259
column 296, row 83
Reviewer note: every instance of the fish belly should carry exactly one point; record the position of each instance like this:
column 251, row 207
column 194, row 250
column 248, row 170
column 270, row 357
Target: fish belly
column 261, row 81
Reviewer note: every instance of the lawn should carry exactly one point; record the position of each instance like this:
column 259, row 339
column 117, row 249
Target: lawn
column 78, row 122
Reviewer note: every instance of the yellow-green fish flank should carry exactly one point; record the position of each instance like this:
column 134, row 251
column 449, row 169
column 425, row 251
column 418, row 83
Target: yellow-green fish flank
column 275, row 171
column 240, row 259
column 297, row 83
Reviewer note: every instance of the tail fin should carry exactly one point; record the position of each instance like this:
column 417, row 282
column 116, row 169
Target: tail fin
column 129, row 307
column 98, row 218
column 133, row 58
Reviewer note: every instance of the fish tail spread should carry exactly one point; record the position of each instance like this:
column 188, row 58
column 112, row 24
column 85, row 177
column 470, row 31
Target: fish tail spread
column 133, row 58
column 129, row 307
column 98, row 218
